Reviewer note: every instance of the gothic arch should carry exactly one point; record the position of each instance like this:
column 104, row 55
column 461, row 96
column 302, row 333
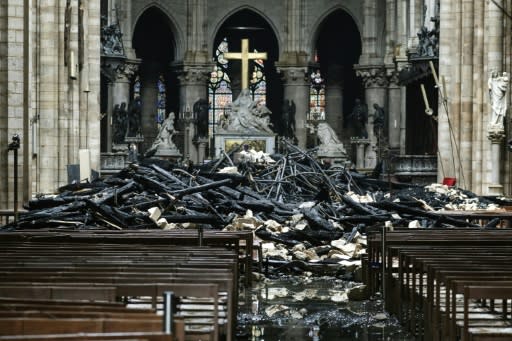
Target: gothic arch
column 178, row 42
column 234, row 11
column 317, row 26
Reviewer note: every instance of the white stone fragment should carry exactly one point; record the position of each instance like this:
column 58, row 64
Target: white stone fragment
column 339, row 297
column 307, row 204
column 298, row 247
column 274, row 309
column 300, row 227
column 229, row 170
column 414, row 224
column 162, row 223
column 154, row 213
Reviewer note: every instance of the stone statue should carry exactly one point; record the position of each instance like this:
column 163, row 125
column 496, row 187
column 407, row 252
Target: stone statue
column 134, row 118
column 359, row 116
column 111, row 40
column 201, row 113
column 247, row 116
column 119, row 123
column 498, row 86
column 163, row 141
column 330, row 144
column 288, row 117
column 378, row 119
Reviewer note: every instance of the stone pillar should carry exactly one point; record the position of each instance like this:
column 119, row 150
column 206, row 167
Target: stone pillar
column 119, row 89
column 201, row 142
column 361, row 145
column 375, row 83
column 334, row 97
column 296, row 88
column 393, row 111
column 193, row 86
column 495, row 62
column 495, row 187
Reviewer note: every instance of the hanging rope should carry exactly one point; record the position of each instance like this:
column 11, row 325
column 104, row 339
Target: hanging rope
column 453, row 142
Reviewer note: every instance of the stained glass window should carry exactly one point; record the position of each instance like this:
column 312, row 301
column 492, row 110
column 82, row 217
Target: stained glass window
column 136, row 87
column 317, row 95
column 258, row 84
column 219, row 89
column 161, row 101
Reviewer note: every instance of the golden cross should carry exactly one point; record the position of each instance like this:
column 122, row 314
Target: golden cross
column 244, row 56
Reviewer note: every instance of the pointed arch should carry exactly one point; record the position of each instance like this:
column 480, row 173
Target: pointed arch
column 318, row 26
column 233, row 12
column 178, row 42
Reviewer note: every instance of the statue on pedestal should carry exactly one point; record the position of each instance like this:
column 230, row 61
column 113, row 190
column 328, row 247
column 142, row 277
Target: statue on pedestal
column 163, row 144
column 498, row 86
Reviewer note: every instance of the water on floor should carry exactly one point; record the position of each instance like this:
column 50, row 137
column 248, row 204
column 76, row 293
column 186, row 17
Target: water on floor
column 312, row 308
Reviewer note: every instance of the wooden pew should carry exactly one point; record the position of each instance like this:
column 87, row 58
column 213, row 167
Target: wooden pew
column 45, row 259
column 420, row 267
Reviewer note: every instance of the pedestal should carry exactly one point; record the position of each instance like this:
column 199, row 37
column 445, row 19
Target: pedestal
column 227, row 141
column 201, row 142
column 168, row 153
column 497, row 136
column 360, row 151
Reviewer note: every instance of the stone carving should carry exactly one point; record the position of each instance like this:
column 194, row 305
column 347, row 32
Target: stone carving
column 112, row 40
column 134, row 118
column 330, row 144
column 372, row 75
column 163, row 144
column 119, row 123
column 378, row 119
column 498, row 86
column 427, row 43
column 247, row 116
column 359, row 117
column 200, row 109
column 288, row 119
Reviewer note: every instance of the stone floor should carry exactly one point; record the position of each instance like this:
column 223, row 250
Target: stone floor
column 311, row 308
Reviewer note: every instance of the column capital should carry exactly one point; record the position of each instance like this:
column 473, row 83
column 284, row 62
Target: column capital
column 119, row 70
column 374, row 76
column 193, row 74
column 392, row 76
column 496, row 135
column 297, row 75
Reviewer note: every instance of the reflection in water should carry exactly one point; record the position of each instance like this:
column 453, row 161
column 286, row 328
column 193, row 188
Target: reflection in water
column 303, row 308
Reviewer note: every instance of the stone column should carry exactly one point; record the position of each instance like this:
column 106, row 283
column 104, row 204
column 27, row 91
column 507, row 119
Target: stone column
column 393, row 111
column 296, row 88
column 193, row 86
column 201, row 142
column 375, row 83
column 495, row 187
column 495, row 62
column 334, row 97
column 119, row 89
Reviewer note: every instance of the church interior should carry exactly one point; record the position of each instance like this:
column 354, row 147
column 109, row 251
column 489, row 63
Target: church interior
column 160, row 156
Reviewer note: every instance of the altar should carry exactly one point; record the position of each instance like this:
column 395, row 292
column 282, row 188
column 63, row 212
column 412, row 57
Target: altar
column 228, row 141
column 246, row 122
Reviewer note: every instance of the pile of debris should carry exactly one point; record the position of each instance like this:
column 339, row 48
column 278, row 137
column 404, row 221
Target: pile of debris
column 302, row 212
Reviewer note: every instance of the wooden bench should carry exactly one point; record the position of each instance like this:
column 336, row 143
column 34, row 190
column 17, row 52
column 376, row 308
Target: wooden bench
column 34, row 262
column 421, row 266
